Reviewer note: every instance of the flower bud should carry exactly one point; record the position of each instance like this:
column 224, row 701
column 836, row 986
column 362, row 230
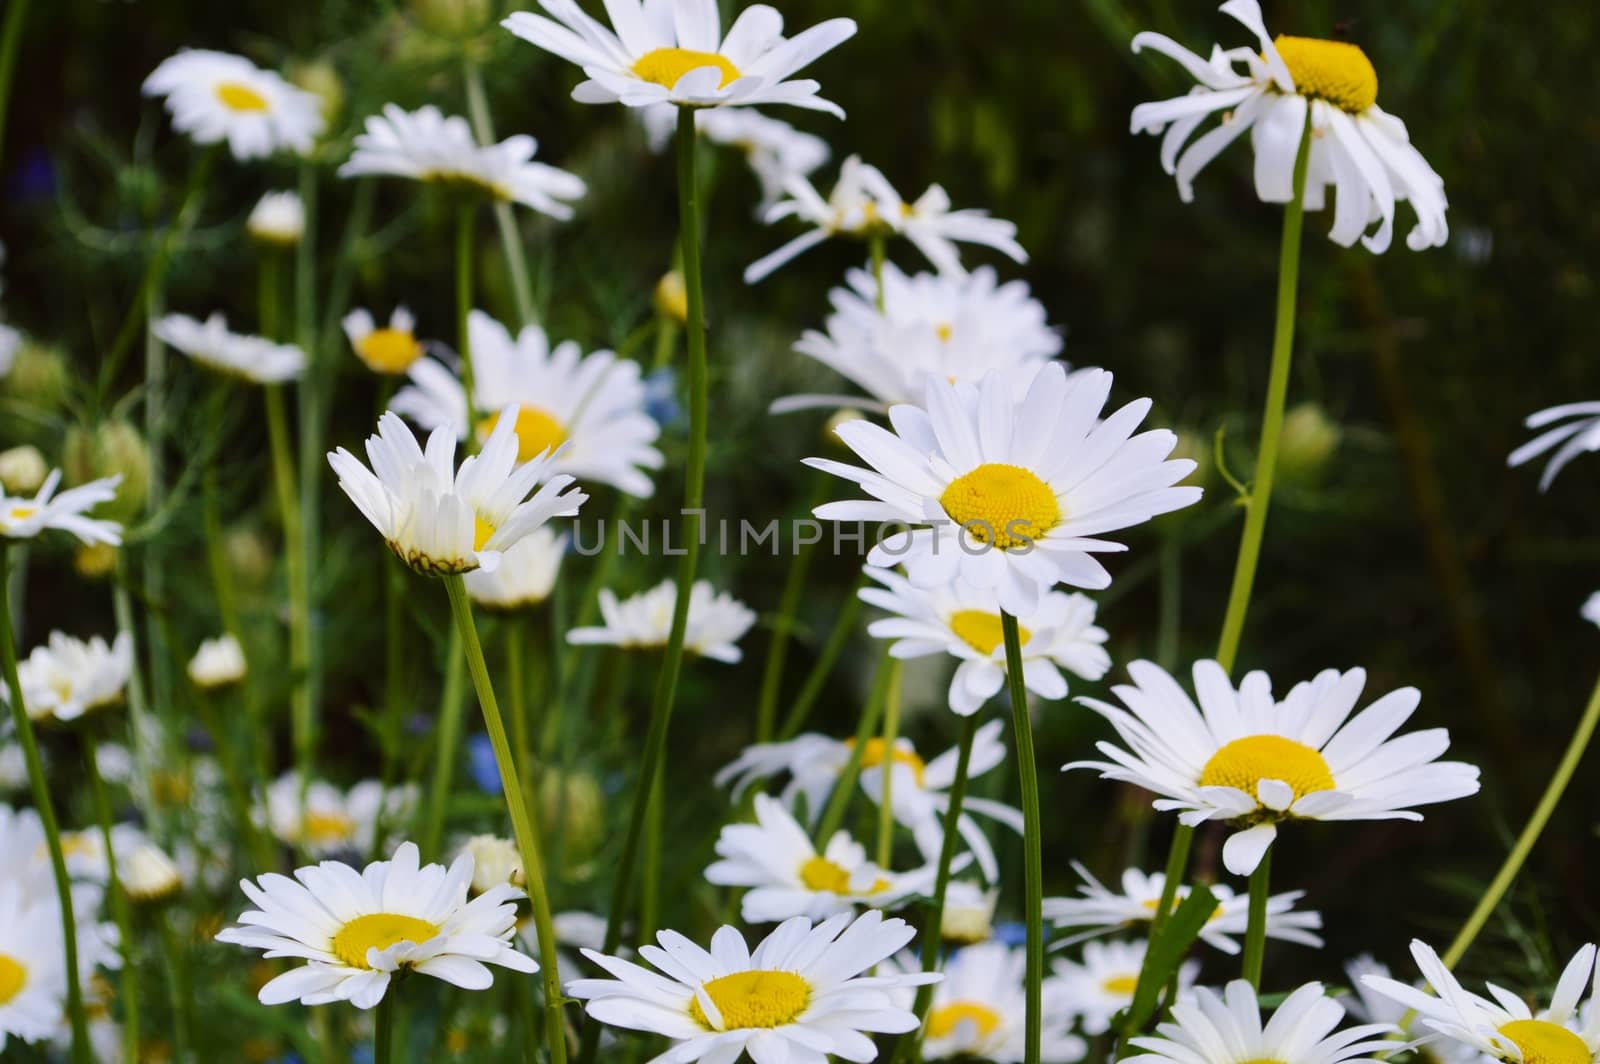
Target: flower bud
column 672, row 298
column 1309, row 440
column 248, row 556
column 573, row 804
column 218, row 663
column 38, row 376
column 968, row 914
column 321, row 80
column 452, row 18
column 496, row 861
column 278, row 220
column 95, row 561
column 149, row 875
column 22, row 470
column 110, row 449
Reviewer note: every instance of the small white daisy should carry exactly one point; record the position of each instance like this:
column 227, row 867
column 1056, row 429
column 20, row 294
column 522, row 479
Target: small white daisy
column 424, row 145
column 674, row 51
column 1208, row 1028
column 1246, row 759
column 1369, row 1006
column 249, row 358
column 1102, row 983
column 1357, row 148
column 439, row 519
column 717, row 621
column 68, row 677
column 277, row 218
column 587, row 412
column 1577, row 436
column 217, row 663
column 1002, row 482
column 494, row 861
column 357, row 930
column 215, row 96
column 33, row 974
column 964, row 622
column 525, row 576
column 334, row 821
column 389, row 350
column 148, row 875
column 799, row 996
column 775, row 149
column 968, row 915
column 24, row 518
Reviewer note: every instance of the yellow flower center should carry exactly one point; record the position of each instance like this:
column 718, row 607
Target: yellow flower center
column 75, row 844
column 1002, row 505
column 1541, row 1042
column 754, row 999
column 378, row 931
column 944, row 330
column 943, row 1020
column 981, row 630
column 821, row 874
column 21, row 513
column 1335, row 71
column 1121, row 985
column 1245, row 762
column 1152, row 904
column 389, row 350
column 538, row 431
column 326, row 828
column 872, row 757
column 13, row 977
column 665, row 66
column 237, row 97
column 482, row 532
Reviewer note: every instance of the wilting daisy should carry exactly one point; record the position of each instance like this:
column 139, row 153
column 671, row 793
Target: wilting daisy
column 23, row 518
column 525, row 576
column 356, row 930
column 277, row 218
column 946, row 326
column 33, row 974
column 1102, row 983
column 389, row 350
column 1505, row 1028
column 799, row 995
column 1370, row 1006
column 1098, row 910
column 439, row 519
column 786, row 876
column 1208, row 1028
column 215, row 96
column 249, row 358
column 717, row 621
column 217, row 663
column 1357, row 148
column 964, row 622
column 69, row 677
column 775, row 149
column 334, row 821
column 1003, row 481
column 1244, row 758
column 586, row 411
column 1578, row 435
column 675, row 52
column 424, row 145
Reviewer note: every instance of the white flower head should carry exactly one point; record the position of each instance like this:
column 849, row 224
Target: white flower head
column 22, row 517
column 674, row 51
column 1245, row 758
column 217, row 663
column 440, row 519
column 494, row 861
column 215, row 96
column 68, row 677
column 1580, row 434
column 278, row 218
column 357, row 930
column 391, row 349
column 425, row 145
column 968, row 916
column 249, row 358
column 1357, row 148
column 525, row 576
column 148, row 874
column 1102, row 983
column 334, row 821
column 1208, row 1028
column 717, row 621
column 775, row 150
column 33, row 974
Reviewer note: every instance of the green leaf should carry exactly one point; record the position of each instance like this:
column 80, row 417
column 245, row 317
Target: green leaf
column 1167, row 952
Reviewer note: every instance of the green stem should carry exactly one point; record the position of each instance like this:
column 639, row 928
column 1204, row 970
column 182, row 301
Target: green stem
column 216, row 548
column 817, row 678
column 1255, row 935
column 119, row 903
column 138, row 706
column 876, row 244
column 522, row 821
column 283, row 474
column 177, row 986
column 446, row 742
column 309, row 398
column 844, row 788
column 383, row 1027
column 505, row 219
column 151, row 551
column 891, row 734
column 794, row 585
column 10, row 41
column 650, row 888
column 235, row 781
column 516, row 637
column 1028, row 773
column 463, row 313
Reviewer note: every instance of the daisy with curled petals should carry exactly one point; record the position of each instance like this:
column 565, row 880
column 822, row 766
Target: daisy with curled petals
column 717, row 621
column 964, row 622
column 799, row 996
column 22, row 517
column 525, row 576
column 1580, row 434
column 1505, row 1028
column 442, row 520
column 357, row 930
column 253, row 359
column 329, row 820
column 1004, row 481
column 1246, row 759
column 674, row 51
column 1102, row 983
column 216, row 96
column 425, row 145
column 586, row 411
column 1208, row 1028
column 1357, row 148
column 390, row 349
column 774, row 149
column 68, row 677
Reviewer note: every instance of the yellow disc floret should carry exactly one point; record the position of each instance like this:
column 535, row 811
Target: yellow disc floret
column 13, row 977
column 389, row 350
column 327, row 829
column 1543, row 1042
column 1120, row 985
column 237, row 97
column 943, row 1021
column 1335, row 71
column 482, row 532
column 754, row 999
column 821, row 874
column 982, row 631
column 1005, row 506
column 665, row 66
column 1245, row 762
column 378, row 931
column 872, row 757
column 538, row 431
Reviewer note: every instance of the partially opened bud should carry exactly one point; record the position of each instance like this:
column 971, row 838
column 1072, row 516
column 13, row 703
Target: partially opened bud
column 672, row 298
column 496, row 861
column 22, row 470
column 112, row 448
column 1309, row 439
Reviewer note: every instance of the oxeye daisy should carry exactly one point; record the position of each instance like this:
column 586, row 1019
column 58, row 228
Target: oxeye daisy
column 247, row 358
column 964, row 622
column 968, row 916
column 1246, row 759
column 439, row 519
column 33, row 975
column 674, row 51
column 800, row 995
column 1208, row 1028
column 217, row 663
column 330, row 820
column 774, row 149
column 22, row 517
column 717, row 621
column 1004, row 481
column 1506, row 1028
column 1371, row 1006
column 586, row 411
column 391, row 349
column 357, row 930
column 1102, row 983
column 424, row 145
column 215, row 96
column 1580, row 434
column 278, row 218
column 69, row 677
column 525, row 576
column 1357, row 148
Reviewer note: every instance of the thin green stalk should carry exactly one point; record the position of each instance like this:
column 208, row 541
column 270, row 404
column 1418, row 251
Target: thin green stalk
column 516, row 637
column 302, row 724
column 650, row 887
column 47, row 816
column 843, row 626
column 794, row 585
column 394, row 666
column 151, row 551
column 1033, row 864
column 235, row 783
column 891, row 734
column 138, row 706
column 216, row 549
column 310, row 399
column 463, row 313
column 522, row 822
column 447, row 742
column 10, row 41
column 129, row 980
column 1255, row 935
column 505, row 218
column 383, row 1027
column 177, row 985
column 876, row 245
column 844, row 788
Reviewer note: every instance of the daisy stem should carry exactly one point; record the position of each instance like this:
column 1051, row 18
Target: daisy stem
column 47, row 816
column 119, row 903
column 10, row 41
column 879, row 252
column 447, row 740
column 844, row 788
column 210, row 493
column 1033, row 862
column 794, row 586
column 891, row 734
column 1255, row 934
column 522, row 822
column 463, row 312
column 177, row 985
column 310, row 410
column 650, row 889
column 383, row 1027
column 283, row 475
column 505, row 219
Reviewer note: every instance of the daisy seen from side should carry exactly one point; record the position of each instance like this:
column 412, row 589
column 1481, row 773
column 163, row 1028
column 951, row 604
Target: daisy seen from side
column 24, row 517
column 525, row 576
column 67, row 677
column 217, row 96
column 211, row 344
column 334, row 821
column 717, row 621
column 1211, row 1028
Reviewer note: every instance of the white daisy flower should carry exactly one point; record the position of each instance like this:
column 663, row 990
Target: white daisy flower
column 391, row 349
column 968, row 915
column 1003, row 481
column 1591, row 609
column 1357, row 148
column 674, row 51
column 68, row 677
column 277, row 218
column 799, row 996
column 787, row 876
column 1244, row 758
column 1098, row 910
column 717, row 621
column 1208, row 1028
column 945, row 326
column 587, row 412
column 215, row 96
column 357, row 930
column 1102, row 983
column 335, row 821
column 775, row 149
column 23, row 518
column 217, row 663
column 1505, row 1028
column 964, row 622
column 425, row 145
column 22, row 849
column 1369, row 1006
column 248, row 358
column 494, row 861
column 148, row 875
column 33, row 974
column 439, row 519
column 1579, row 435
column 525, row 576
